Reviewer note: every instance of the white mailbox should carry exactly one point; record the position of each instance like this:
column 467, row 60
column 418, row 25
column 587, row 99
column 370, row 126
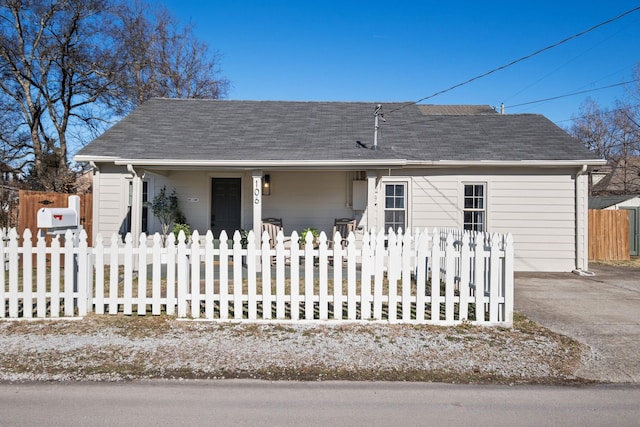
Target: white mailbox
column 60, row 218
column 57, row 218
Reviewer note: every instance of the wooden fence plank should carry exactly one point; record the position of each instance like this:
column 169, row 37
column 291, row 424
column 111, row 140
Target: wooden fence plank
column 141, row 300
column 295, row 277
column 209, row 276
column 323, row 279
column 266, row 276
column 99, row 261
column 608, row 235
column 156, row 276
column 13, row 273
column 32, row 201
column 27, row 276
column 223, row 275
column 55, row 277
column 69, row 275
column 280, row 278
column 337, row 277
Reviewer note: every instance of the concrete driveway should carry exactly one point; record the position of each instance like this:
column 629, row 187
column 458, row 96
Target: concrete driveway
column 601, row 311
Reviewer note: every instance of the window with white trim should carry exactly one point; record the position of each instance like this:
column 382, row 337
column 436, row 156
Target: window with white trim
column 475, row 207
column 395, row 206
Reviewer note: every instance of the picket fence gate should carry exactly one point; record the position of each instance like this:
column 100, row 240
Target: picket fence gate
column 439, row 277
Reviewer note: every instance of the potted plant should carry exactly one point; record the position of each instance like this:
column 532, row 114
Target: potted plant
column 165, row 208
column 303, row 235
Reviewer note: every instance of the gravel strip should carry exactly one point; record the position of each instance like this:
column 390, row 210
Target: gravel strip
column 103, row 348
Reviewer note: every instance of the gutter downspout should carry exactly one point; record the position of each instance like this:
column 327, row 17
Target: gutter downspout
column 582, row 227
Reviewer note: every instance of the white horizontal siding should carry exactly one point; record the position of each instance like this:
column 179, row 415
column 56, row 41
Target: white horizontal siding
column 537, row 207
column 110, row 208
column 435, row 201
column 539, row 210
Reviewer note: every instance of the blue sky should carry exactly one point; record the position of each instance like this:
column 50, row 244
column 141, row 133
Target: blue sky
column 406, row 50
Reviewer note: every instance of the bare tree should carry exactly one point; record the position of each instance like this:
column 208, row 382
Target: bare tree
column 615, row 136
column 53, row 58
column 69, row 67
column 162, row 59
column 593, row 128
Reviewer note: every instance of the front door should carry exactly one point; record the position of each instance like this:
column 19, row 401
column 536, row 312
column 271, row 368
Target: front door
column 225, row 205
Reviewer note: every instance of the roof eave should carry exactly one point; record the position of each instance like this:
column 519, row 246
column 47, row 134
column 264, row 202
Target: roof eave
column 258, row 164
column 507, row 163
column 347, row 164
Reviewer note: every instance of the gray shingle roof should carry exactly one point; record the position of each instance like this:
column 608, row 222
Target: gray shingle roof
column 454, row 110
column 183, row 130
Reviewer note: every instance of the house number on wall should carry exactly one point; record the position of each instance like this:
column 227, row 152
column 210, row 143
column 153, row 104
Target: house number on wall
column 256, row 192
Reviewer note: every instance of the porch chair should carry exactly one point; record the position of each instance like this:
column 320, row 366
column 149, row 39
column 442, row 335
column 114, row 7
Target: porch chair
column 272, row 226
column 344, row 226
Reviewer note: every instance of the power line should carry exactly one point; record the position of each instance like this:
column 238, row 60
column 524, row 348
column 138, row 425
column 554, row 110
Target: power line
column 604, row 113
column 588, row 30
column 570, row 94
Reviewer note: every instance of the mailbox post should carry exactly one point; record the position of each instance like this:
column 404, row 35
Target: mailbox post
column 57, row 221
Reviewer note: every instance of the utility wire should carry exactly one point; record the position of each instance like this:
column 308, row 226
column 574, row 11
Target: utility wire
column 570, row 94
column 604, row 113
column 588, row 30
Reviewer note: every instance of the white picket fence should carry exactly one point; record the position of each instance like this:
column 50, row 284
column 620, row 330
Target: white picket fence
column 426, row 277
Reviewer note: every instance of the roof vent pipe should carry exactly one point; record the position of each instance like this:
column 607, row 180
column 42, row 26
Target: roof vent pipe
column 377, row 113
column 502, row 108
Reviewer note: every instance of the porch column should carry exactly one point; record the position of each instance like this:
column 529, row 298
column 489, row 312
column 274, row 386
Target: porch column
column 256, row 198
column 136, row 205
column 96, row 202
column 372, row 203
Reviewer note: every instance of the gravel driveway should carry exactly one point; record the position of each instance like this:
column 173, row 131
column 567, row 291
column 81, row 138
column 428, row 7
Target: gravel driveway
column 601, row 311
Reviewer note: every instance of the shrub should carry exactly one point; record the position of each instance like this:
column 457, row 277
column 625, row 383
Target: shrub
column 182, row 227
column 303, row 235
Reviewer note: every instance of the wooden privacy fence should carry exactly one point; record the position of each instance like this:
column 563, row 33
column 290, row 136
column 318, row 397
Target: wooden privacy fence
column 433, row 278
column 32, row 201
column 608, row 235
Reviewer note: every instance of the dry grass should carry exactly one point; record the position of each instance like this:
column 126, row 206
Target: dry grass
column 633, row 262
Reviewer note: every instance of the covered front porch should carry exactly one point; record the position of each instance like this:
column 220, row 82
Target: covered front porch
column 229, row 200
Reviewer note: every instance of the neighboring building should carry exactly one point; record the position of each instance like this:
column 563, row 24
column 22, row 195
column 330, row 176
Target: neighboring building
column 233, row 163
column 616, row 178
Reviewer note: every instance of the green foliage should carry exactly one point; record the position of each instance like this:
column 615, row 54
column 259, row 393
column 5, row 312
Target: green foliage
column 166, row 209
column 180, row 226
column 244, row 238
column 314, row 232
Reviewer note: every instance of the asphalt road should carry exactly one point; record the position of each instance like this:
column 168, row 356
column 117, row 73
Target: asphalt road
column 249, row 403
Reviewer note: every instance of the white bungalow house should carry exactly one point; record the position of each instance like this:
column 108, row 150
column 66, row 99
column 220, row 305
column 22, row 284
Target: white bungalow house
column 404, row 165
